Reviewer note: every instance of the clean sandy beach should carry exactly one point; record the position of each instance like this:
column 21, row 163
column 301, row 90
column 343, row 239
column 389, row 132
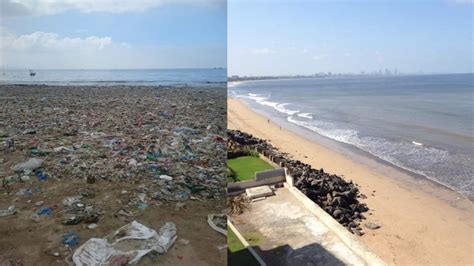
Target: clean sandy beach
column 422, row 223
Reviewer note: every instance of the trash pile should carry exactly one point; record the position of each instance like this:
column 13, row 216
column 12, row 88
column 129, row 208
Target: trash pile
column 60, row 145
column 332, row 193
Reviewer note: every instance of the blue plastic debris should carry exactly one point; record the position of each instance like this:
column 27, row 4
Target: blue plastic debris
column 188, row 148
column 41, row 175
column 71, row 239
column 45, row 211
column 142, row 206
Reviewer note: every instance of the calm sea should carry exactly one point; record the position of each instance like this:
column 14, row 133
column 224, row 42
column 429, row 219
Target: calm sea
column 423, row 124
column 191, row 77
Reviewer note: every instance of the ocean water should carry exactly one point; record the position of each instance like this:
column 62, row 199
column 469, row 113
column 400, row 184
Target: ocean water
column 423, row 124
column 171, row 77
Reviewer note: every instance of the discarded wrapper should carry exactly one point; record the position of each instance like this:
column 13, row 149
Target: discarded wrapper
column 132, row 241
column 218, row 222
column 29, row 165
column 10, row 211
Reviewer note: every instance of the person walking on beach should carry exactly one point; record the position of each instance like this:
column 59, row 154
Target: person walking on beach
column 268, row 121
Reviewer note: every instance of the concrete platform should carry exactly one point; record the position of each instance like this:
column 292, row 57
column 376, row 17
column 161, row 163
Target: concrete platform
column 285, row 230
column 259, row 192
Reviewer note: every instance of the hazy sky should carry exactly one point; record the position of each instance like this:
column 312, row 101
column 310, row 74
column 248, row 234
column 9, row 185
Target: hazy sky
column 305, row 37
column 113, row 33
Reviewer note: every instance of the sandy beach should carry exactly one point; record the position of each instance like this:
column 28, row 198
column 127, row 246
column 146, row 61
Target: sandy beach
column 422, row 223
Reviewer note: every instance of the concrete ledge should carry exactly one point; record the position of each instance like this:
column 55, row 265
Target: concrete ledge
column 277, row 172
column 259, row 192
column 239, row 187
column 345, row 236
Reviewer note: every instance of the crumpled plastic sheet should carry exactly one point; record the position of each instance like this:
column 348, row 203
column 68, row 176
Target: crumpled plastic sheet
column 30, row 165
column 218, row 222
column 132, row 241
column 10, row 211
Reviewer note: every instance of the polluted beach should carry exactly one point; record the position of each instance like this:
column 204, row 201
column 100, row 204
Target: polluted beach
column 89, row 173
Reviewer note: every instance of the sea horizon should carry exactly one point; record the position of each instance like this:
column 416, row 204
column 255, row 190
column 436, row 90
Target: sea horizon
column 146, row 77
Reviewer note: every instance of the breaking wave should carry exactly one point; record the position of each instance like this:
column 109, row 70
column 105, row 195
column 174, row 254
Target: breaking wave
column 305, row 115
column 262, row 100
column 408, row 155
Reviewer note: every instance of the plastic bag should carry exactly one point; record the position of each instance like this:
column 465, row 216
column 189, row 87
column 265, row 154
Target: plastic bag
column 132, row 241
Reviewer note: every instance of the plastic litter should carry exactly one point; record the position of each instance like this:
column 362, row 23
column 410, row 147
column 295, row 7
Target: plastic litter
column 132, row 162
column 35, row 217
column 130, row 242
column 30, row 165
column 166, row 177
column 184, row 241
column 73, row 220
column 45, row 211
column 119, row 137
column 69, row 201
column 142, row 206
column 71, row 239
column 9, row 211
column 218, row 222
column 63, row 149
column 92, row 226
column 41, row 175
column 25, row 192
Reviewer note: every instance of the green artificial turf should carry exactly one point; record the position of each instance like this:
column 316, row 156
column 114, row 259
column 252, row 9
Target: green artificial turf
column 246, row 166
column 233, row 243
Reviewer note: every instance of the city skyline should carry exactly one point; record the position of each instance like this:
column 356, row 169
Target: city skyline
column 306, row 37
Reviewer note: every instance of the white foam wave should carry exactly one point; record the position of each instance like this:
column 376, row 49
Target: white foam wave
column 305, row 115
column 417, row 143
column 404, row 154
column 280, row 107
column 328, row 130
column 233, row 84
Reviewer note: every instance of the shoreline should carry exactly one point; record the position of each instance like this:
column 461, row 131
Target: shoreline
column 359, row 154
column 381, row 165
column 417, row 227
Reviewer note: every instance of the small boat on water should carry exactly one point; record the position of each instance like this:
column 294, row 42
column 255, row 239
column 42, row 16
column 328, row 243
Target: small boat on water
column 32, row 73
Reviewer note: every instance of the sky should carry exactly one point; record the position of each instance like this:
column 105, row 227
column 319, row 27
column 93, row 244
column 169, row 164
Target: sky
column 281, row 37
column 111, row 34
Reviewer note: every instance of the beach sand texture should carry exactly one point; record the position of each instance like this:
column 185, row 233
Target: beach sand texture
column 421, row 222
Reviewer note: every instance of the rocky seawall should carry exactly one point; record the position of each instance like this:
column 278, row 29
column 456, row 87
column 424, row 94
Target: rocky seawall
column 338, row 197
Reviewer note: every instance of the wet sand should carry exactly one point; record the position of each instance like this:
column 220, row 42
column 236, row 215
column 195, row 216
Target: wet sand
column 422, row 223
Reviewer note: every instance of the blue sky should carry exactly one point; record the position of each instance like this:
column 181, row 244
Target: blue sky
column 306, row 37
column 113, row 33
